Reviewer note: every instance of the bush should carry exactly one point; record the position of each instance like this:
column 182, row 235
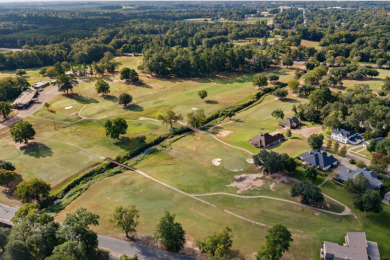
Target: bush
column 352, row 161
column 361, row 164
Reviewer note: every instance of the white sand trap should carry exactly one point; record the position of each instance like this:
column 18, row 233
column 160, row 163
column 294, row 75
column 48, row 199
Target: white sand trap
column 69, row 107
column 249, row 160
column 216, row 161
column 195, row 108
column 246, row 182
column 272, row 186
column 224, row 133
column 237, row 170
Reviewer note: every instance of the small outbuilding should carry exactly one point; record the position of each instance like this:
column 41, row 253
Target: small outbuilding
column 41, row 84
column 25, row 99
column 266, row 140
column 291, row 123
column 386, row 199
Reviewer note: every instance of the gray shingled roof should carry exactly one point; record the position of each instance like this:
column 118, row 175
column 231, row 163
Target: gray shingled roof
column 346, row 174
column 343, row 132
column 318, row 158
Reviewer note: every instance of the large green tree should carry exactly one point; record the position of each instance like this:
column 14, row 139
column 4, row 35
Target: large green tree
column 125, row 99
column 115, row 128
column 307, row 191
column 5, row 109
column 277, row 242
column 260, row 80
column 34, row 189
column 22, row 132
column 196, row 118
column 125, row 218
column 102, row 87
column 6, row 177
column 66, row 83
column 170, row 233
column 315, row 141
column 169, row 118
column 217, row 244
column 370, row 201
column 278, row 113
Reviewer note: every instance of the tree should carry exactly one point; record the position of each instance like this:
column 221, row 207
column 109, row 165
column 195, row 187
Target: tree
column 16, row 250
column 196, row 118
column 170, row 233
column 307, row 191
column 336, row 146
column 379, row 162
column 280, row 93
column 102, row 87
column 329, row 143
column 260, row 80
column 287, row 60
column 270, row 161
column 288, row 133
column 6, row 177
column 202, row 94
column 278, row 113
column 169, row 118
column 289, row 164
column 125, row 218
column 125, row 74
column 20, row 72
column 276, row 243
column 4, row 234
column 371, row 201
column 293, row 85
column 311, row 173
column 380, row 62
column 133, row 76
column 315, row 141
column 66, row 83
column 361, row 183
column 125, row 99
column 343, row 150
column 115, row 128
column 6, row 166
column 5, row 109
column 273, row 77
column 217, row 244
column 22, row 132
column 34, row 189
column 75, row 230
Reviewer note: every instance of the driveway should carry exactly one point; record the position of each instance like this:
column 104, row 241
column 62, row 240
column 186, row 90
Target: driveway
column 44, row 96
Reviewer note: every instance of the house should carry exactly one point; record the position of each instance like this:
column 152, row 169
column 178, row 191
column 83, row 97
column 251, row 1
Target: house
column 346, row 137
column 372, row 178
column 318, row 159
column 291, row 123
column 25, row 99
column 41, row 84
column 378, row 139
column 266, row 140
column 356, row 247
column 386, row 199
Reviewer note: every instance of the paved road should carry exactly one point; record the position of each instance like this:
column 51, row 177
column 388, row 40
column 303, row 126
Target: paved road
column 115, row 246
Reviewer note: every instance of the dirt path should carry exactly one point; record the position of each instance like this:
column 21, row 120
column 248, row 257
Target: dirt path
column 344, row 213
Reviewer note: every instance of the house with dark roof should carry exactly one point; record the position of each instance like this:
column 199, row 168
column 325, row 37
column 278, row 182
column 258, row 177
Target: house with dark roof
column 378, row 139
column 372, row 178
column 346, row 137
column 291, row 123
column 318, row 159
column 266, row 140
column 25, row 99
column 356, row 247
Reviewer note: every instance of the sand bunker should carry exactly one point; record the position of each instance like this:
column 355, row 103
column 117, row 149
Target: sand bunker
column 224, row 133
column 195, row 108
column 216, row 161
column 249, row 160
column 272, row 186
column 69, row 107
column 245, row 182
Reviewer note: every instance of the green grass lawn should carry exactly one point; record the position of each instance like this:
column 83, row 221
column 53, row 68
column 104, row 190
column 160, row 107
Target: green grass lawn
column 374, row 83
column 309, row 44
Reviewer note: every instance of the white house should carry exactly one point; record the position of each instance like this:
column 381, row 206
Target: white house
column 346, row 137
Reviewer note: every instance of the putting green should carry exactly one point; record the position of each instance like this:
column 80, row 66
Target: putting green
column 62, row 103
column 234, row 164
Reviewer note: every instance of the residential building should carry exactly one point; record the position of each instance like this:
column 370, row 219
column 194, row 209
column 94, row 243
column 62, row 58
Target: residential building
column 318, row 159
column 291, row 123
column 266, row 140
column 346, row 137
column 25, row 99
column 372, row 178
column 356, row 247
column 378, row 139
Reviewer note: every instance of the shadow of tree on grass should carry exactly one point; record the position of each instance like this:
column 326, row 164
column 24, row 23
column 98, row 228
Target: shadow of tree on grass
column 37, row 150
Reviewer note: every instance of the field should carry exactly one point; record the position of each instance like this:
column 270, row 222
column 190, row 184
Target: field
column 71, row 132
column 309, row 44
column 375, row 83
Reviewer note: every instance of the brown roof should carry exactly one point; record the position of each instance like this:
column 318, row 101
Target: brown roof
column 264, row 140
column 290, row 122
